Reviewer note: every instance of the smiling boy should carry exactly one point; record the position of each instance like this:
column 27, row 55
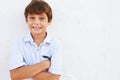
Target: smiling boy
column 36, row 56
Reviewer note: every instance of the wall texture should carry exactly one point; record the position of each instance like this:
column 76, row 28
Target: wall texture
column 88, row 29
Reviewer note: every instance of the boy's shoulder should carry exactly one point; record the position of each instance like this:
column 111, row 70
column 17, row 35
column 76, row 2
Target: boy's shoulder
column 19, row 39
column 56, row 42
column 53, row 39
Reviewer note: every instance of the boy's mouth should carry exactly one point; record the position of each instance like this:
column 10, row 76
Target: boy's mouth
column 36, row 27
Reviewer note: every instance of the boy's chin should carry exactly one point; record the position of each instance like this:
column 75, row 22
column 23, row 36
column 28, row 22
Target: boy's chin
column 36, row 33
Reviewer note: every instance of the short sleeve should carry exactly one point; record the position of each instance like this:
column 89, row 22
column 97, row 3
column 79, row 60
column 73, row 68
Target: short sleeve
column 56, row 59
column 16, row 58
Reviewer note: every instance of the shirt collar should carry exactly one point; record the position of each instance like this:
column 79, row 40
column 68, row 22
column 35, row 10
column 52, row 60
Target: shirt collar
column 47, row 39
column 28, row 38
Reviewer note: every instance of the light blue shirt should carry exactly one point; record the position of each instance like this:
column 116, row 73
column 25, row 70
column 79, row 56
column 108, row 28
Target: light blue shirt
column 26, row 52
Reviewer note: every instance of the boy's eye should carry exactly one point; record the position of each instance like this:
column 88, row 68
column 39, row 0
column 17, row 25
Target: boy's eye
column 42, row 18
column 32, row 17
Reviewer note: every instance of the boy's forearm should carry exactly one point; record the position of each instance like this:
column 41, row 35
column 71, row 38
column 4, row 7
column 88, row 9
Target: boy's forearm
column 46, row 76
column 29, row 71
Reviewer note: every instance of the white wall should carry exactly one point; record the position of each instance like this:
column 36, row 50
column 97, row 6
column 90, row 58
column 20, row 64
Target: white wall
column 89, row 30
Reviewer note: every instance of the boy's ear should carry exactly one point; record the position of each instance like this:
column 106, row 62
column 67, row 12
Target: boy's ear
column 26, row 20
column 50, row 22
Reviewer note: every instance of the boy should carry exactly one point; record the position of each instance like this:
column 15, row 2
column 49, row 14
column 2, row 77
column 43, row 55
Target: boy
column 36, row 56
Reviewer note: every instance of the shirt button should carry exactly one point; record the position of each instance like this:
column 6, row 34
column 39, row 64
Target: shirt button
column 37, row 49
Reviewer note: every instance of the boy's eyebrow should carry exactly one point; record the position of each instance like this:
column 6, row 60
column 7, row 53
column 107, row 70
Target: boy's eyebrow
column 41, row 15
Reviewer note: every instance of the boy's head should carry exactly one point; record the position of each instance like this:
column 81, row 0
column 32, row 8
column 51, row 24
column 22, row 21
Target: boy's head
column 38, row 7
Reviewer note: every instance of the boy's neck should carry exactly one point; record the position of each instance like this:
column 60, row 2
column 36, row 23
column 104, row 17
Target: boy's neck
column 38, row 39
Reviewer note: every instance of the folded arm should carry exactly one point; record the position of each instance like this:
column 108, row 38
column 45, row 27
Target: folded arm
column 46, row 76
column 29, row 71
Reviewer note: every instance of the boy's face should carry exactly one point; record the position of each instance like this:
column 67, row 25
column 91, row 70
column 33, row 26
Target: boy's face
column 37, row 23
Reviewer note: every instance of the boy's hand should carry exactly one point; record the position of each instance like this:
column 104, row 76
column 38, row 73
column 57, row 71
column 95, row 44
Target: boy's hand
column 45, row 64
column 24, row 72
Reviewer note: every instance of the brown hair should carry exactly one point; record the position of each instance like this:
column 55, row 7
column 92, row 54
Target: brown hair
column 38, row 7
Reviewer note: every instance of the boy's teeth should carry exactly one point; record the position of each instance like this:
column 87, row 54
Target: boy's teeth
column 37, row 27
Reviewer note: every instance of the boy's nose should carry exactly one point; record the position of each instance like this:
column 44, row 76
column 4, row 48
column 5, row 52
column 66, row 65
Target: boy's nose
column 37, row 22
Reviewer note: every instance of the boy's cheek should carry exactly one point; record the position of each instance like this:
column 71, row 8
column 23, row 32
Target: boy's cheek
column 29, row 22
